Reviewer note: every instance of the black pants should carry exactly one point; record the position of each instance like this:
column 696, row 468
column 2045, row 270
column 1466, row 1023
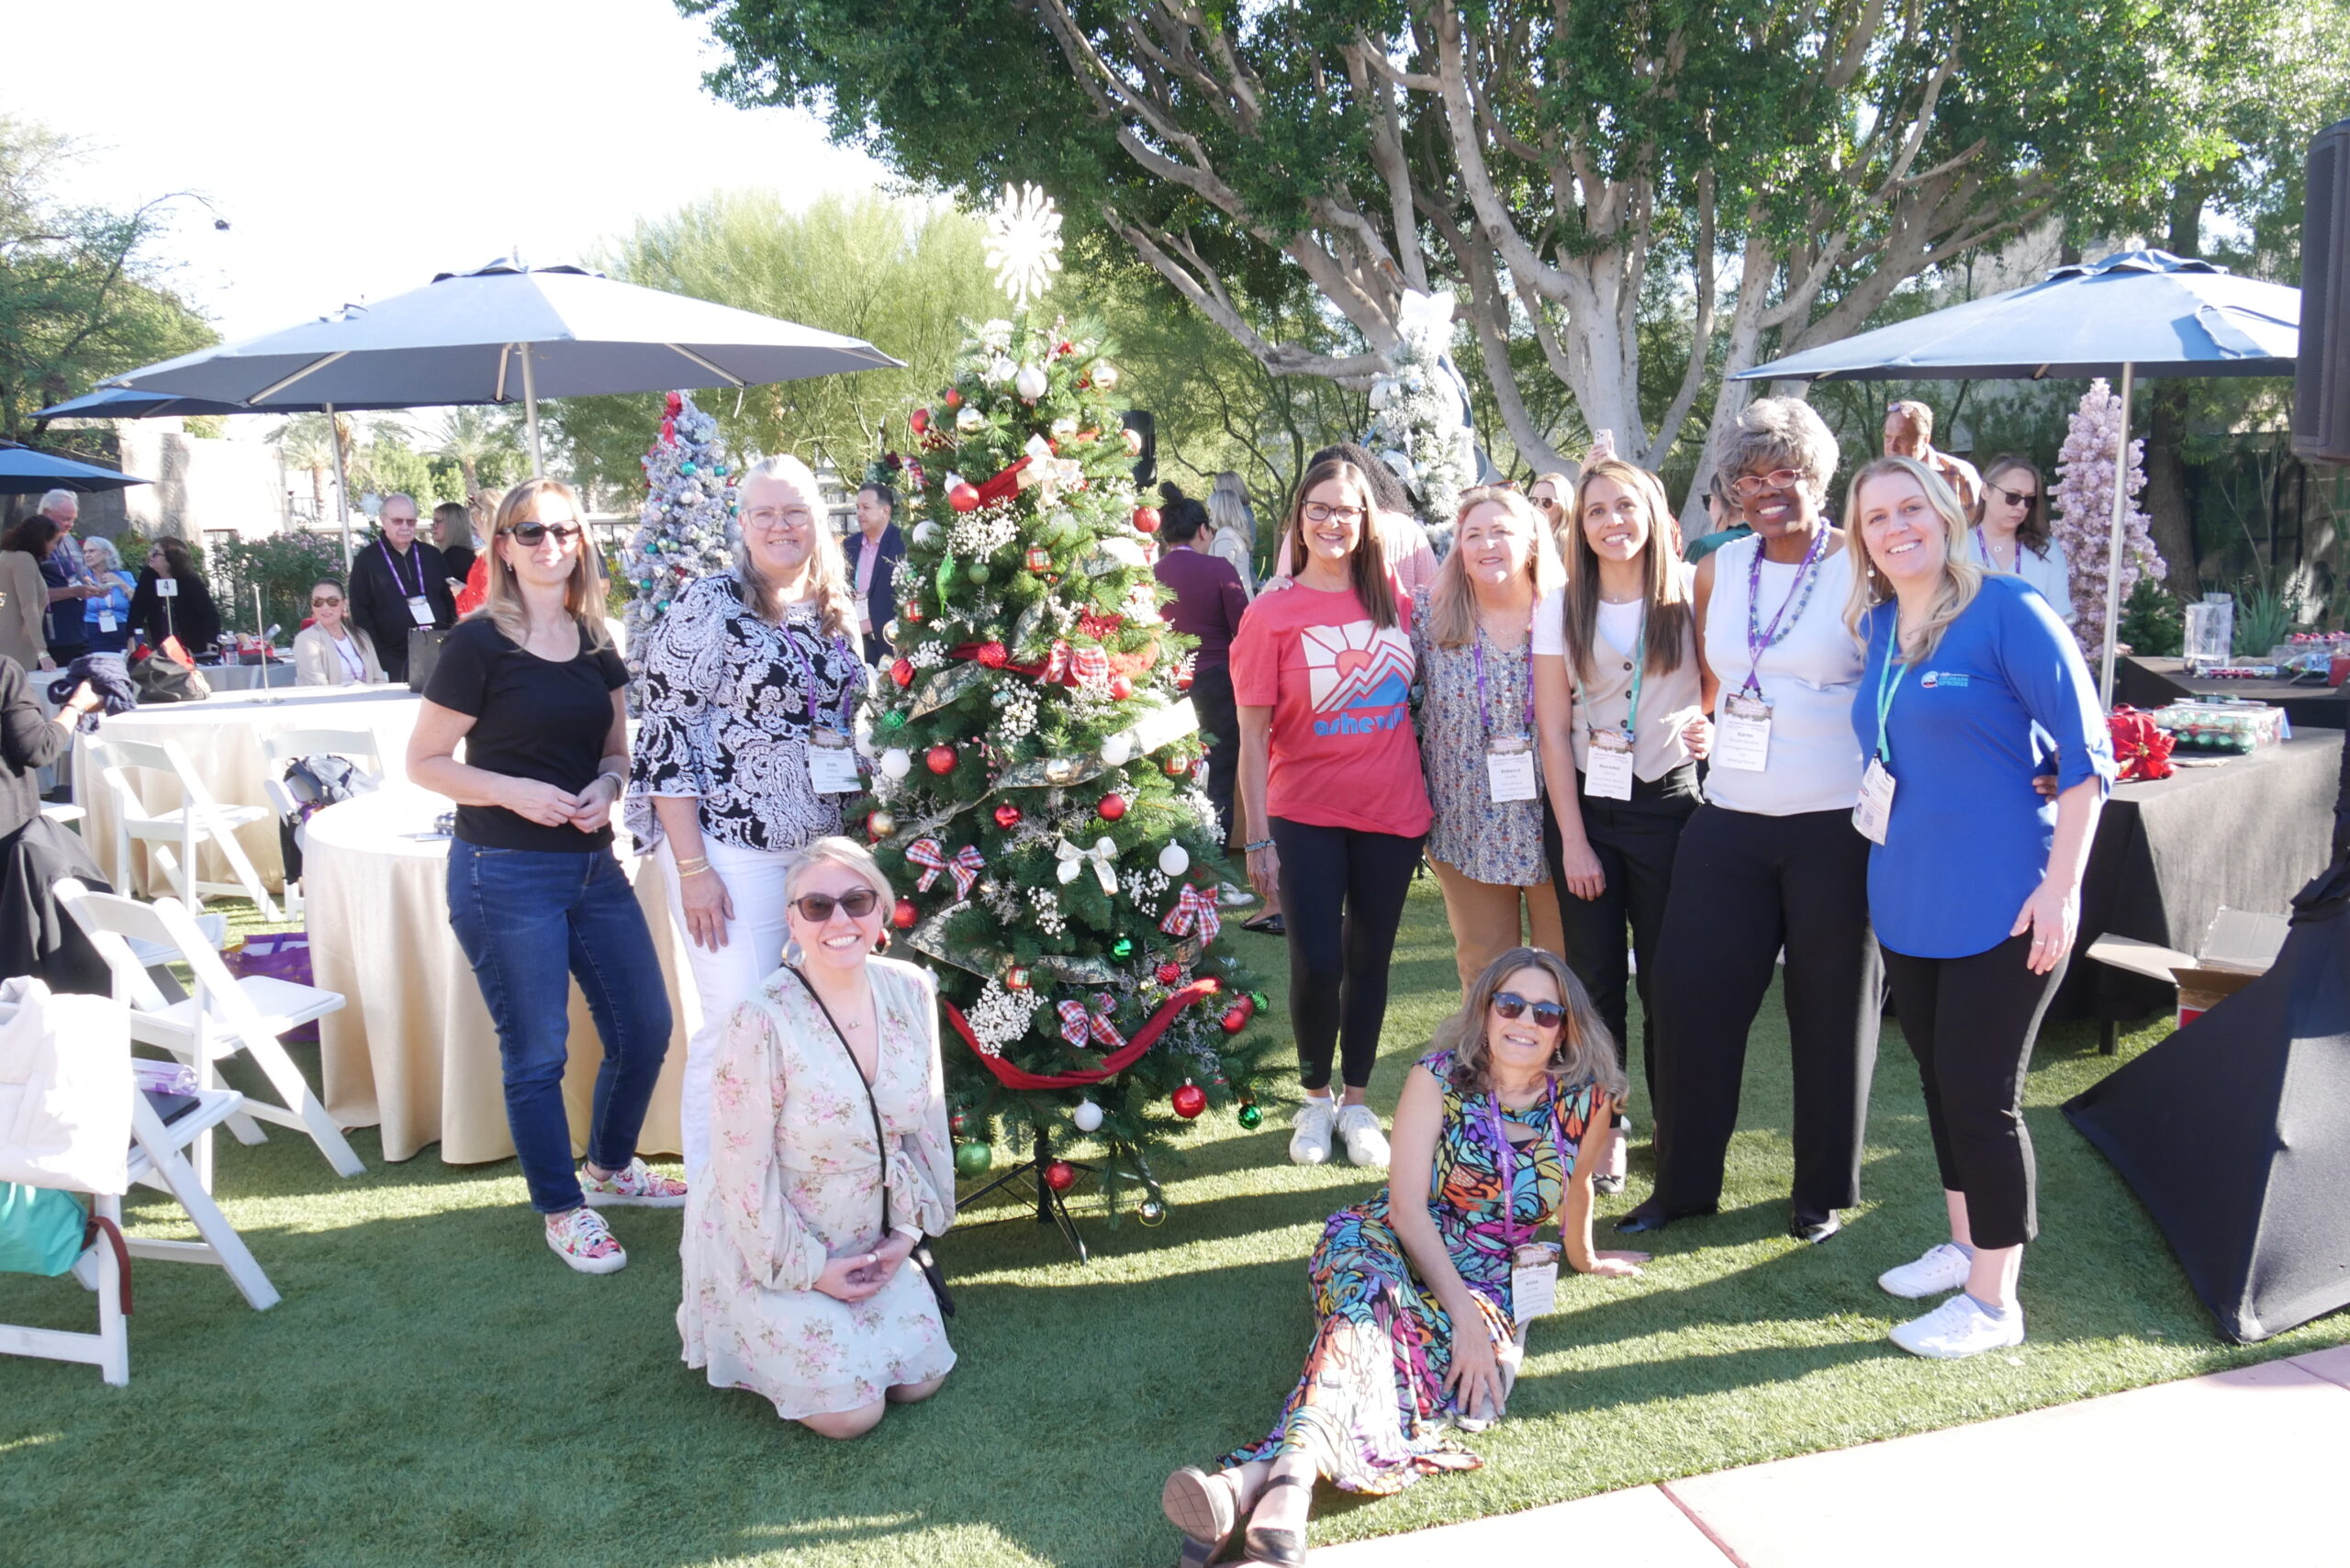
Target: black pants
column 1212, row 699
column 1636, row 841
column 1971, row 1022
column 1342, row 897
column 1743, row 886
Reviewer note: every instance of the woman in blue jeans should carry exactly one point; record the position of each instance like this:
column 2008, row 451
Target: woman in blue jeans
column 532, row 687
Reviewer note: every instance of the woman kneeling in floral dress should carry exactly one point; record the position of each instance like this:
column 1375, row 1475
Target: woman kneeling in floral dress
column 1501, row 1107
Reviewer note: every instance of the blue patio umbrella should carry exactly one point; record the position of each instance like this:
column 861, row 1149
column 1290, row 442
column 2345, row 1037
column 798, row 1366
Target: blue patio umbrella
column 118, row 404
column 25, row 471
column 2137, row 312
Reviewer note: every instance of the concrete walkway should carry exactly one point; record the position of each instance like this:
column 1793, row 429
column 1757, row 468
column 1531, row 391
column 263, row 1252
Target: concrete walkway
column 2248, row 1467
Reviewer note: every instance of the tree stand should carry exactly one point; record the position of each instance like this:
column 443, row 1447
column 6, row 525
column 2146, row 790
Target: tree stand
column 1050, row 1209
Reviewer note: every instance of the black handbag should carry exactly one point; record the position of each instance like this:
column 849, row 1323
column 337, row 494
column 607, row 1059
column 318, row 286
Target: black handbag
column 423, row 654
column 921, row 1256
column 162, row 678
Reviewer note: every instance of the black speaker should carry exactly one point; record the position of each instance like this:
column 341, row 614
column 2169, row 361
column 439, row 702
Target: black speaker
column 2321, row 378
column 1142, row 424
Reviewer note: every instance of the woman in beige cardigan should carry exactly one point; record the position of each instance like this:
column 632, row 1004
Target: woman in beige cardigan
column 24, row 597
column 330, row 651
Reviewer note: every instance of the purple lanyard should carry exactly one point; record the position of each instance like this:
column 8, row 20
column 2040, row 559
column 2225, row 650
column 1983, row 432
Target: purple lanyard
column 1506, row 1160
column 1484, row 711
column 808, row 680
column 1759, row 640
column 392, row 562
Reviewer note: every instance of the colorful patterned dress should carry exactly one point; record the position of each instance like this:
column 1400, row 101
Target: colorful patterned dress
column 1371, row 1408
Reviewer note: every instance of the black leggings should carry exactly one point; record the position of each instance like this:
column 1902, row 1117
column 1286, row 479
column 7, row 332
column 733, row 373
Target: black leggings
column 1744, row 885
column 1342, row 897
column 1971, row 1022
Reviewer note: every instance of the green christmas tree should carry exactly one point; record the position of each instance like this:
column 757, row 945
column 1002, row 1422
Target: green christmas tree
column 1036, row 784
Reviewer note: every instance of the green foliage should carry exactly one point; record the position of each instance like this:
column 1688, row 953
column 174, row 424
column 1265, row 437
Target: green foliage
column 1030, row 641
column 2266, row 616
column 904, row 276
column 2150, row 621
column 283, row 565
column 82, row 295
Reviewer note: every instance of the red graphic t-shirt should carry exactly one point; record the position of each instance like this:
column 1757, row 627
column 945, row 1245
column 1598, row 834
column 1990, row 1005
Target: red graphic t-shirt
column 1343, row 752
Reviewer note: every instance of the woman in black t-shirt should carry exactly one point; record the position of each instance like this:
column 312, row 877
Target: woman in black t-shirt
column 532, row 687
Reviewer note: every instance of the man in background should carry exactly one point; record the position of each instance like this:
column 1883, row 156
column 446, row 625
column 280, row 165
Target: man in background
column 68, row 581
column 399, row 583
column 1910, row 432
column 874, row 552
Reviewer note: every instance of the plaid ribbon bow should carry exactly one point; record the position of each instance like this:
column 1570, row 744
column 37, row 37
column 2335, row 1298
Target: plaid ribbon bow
column 1193, row 911
column 965, row 867
column 1077, row 1026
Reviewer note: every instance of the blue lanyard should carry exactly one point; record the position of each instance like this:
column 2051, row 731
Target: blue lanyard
column 1639, row 671
column 1506, row 1160
column 1888, row 686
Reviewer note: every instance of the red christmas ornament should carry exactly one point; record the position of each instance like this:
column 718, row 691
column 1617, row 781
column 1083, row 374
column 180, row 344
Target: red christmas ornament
column 957, row 1123
column 919, row 422
column 1190, row 1101
column 964, row 497
column 880, row 825
column 1007, row 816
column 1235, row 1020
column 1063, row 349
column 1170, row 973
column 674, row 404
column 939, row 759
column 904, row 915
column 1147, row 520
column 1113, row 807
column 1060, row 1175
column 952, row 399
column 1121, row 688
column 993, row 655
column 912, row 610
column 1015, row 978
column 902, row 671
column 1177, row 767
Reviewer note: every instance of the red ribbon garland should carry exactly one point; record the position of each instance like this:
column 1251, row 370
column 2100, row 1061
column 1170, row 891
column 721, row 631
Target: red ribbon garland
column 1116, row 1062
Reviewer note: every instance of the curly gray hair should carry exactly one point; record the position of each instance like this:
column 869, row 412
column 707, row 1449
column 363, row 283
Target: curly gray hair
column 1782, row 433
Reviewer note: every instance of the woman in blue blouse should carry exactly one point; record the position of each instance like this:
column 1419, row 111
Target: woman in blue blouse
column 1974, row 878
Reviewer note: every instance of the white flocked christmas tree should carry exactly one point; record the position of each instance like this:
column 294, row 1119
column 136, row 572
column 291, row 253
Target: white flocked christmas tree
column 2082, row 520
column 1417, row 414
column 686, row 526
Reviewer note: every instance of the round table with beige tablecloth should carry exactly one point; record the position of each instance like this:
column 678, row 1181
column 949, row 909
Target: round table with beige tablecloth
column 222, row 736
column 414, row 1051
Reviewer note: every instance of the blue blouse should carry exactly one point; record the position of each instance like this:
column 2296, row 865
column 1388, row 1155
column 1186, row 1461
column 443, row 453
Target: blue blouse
column 1969, row 837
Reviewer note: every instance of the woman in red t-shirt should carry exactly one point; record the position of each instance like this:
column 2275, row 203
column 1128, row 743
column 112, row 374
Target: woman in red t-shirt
column 1331, row 790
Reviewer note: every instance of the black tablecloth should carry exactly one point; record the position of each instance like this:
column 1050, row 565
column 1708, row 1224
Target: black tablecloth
column 2248, row 833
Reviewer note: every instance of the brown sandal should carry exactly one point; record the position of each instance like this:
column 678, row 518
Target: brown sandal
column 1203, row 1507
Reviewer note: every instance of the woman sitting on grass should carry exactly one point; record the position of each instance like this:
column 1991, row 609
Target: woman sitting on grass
column 1502, row 1104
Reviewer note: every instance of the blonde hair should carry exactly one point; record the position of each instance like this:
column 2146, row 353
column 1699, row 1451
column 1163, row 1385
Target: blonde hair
column 1962, row 579
column 1670, row 615
column 828, row 579
column 1587, row 1050
column 835, row 850
column 1368, row 566
column 1782, row 433
column 1452, row 604
column 1228, row 509
column 583, row 592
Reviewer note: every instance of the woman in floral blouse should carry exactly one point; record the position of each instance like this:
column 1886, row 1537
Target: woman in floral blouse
column 751, row 684
column 1476, row 723
column 829, row 1162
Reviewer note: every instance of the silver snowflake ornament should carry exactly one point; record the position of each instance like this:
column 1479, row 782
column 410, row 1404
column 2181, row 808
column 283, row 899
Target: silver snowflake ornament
column 1023, row 242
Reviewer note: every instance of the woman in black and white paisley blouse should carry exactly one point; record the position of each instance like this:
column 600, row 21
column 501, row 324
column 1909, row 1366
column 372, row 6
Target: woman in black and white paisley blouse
column 751, row 687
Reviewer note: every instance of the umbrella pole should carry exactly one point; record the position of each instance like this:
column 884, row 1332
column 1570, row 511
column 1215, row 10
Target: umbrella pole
column 2114, row 543
column 341, row 488
column 531, row 413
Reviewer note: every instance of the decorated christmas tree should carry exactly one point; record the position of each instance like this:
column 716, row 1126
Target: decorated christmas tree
column 683, row 528
column 1419, row 411
column 2081, row 513
column 1036, row 786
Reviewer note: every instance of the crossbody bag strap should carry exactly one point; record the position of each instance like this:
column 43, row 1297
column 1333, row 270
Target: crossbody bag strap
column 881, row 1138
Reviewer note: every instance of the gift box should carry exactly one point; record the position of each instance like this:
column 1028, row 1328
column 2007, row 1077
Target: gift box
column 2221, row 728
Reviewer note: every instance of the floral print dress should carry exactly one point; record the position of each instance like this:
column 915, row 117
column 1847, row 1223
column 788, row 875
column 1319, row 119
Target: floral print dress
column 1371, row 1408
column 795, row 1179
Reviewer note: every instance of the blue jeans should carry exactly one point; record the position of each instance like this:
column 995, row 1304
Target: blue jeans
column 531, row 921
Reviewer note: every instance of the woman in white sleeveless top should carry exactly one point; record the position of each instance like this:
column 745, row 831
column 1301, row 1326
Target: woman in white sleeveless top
column 1771, row 861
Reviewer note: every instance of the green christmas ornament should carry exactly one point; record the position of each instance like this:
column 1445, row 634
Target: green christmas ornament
column 977, row 572
column 1151, row 1210
column 973, row 1159
column 1251, row 1117
column 1257, row 1000
column 893, row 720
column 1122, row 947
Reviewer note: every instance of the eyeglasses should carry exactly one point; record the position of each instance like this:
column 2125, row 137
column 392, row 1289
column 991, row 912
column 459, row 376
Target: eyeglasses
column 324, row 603
column 1547, row 1014
column 2014, row 498
column 1750, row 485
column 1320, row 511
column 530, row 534
column 817, row 908
column 771, row 516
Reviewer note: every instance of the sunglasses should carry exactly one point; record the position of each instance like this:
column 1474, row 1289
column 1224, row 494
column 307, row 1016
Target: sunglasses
column 1547, row 1014
column 530, row 534
column 324, row 603
column 817, row 908
column 2014, row 498
column 1776, row 480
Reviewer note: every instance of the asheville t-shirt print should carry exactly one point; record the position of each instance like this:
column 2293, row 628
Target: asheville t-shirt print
column 1358, row 677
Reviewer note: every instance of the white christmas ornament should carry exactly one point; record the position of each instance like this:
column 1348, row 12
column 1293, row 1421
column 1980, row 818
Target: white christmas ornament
column 896, row 763
column 1087, row 1117
column 1118, row 750
column 1030, row 383
column 1023, row 242
column 1104, row 374
column 968, row 419
column 1174, row 859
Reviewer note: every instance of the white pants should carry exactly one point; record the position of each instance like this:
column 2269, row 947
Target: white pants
column 754, row 949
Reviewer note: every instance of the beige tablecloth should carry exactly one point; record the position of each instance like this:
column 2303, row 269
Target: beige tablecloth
column 222, row 736
column 250, row 677
column 414, row 1052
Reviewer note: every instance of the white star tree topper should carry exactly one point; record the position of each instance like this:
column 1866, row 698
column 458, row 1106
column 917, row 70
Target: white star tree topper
column 1023, row 242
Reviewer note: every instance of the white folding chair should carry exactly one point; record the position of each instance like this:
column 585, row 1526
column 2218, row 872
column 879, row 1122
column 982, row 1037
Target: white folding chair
column 225, row 1015
column 197, row 821
column 359, row 747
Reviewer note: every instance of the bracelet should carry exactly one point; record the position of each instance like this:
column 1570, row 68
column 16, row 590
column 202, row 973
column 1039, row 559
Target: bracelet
column 618, row 783
column 693, row 867
column 1252, row 849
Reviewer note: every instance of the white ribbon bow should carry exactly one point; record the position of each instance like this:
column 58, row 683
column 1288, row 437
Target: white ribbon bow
column 1103, row 856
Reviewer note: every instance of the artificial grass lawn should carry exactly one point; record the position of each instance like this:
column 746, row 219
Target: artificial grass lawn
column 435, row 1388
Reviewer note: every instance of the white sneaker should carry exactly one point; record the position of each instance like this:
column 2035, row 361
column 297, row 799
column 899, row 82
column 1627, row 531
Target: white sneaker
column 1232, row 897
column 1366, row 1145
column 1310, row 1145
column 581, row 1238
column 1944, row 1268
column 1958, row 1328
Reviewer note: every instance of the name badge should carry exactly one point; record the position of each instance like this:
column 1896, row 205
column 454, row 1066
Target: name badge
column 1509, row 769
column 1874, row 808
column 1608, row 766
column 1534, row 1283
column 419, row 609
column 831, row 764
column 1743, row 733
column 105, row 620
column 168, row 587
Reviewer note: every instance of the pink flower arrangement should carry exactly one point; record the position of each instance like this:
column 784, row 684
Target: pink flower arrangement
column 2082, row 517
